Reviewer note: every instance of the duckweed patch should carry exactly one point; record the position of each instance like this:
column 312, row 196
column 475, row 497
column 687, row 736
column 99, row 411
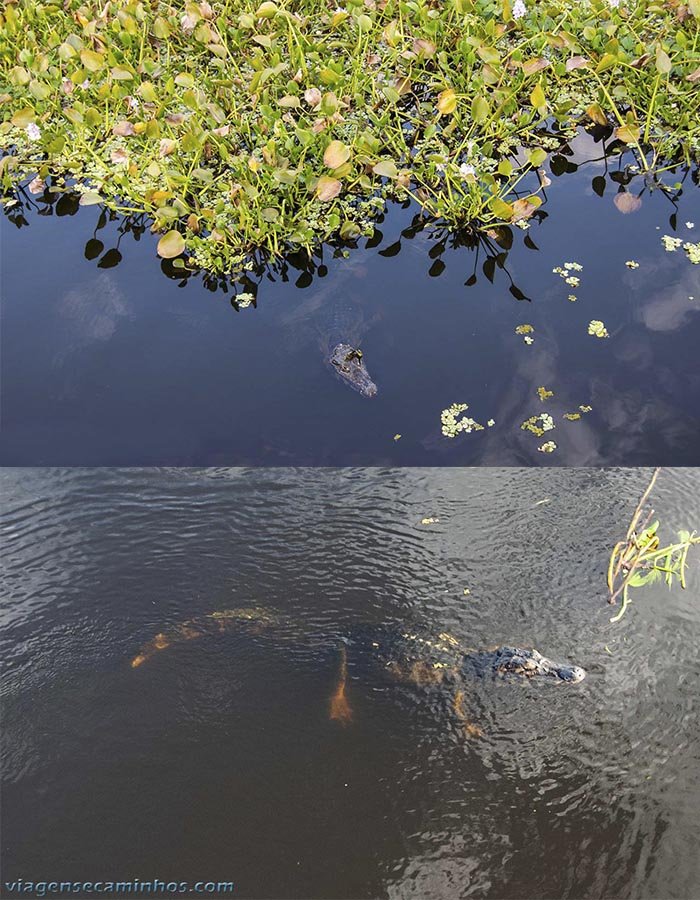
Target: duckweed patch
column 243, row 126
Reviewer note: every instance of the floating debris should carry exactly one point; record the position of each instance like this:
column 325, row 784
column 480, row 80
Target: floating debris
column 572, row 298
column 565, row 273
column 466, row 592
column 690, row 224
column 527, row 331
column 597, row 328
column 671, row 244
column 539, row 424
column 491, row 422
column 632, row 264
column 451, row 425
column 429, row 520
column 543, row 393
column 548, row 447
column 574, row 416
column 397, row 437
column 693, row 252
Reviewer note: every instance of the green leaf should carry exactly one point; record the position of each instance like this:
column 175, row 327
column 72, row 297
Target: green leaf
column 92, row 61
column 480, row 109
column 386, row 168
column 172, row 244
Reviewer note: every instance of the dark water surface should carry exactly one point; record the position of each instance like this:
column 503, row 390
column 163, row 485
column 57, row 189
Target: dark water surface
column 107, row 362
column 217, row 759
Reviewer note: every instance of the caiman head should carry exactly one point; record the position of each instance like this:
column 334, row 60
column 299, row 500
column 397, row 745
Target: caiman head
column 515, row 661
column 349, row 365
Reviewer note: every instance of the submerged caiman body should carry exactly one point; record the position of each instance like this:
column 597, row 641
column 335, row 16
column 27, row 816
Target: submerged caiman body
column 414, row 657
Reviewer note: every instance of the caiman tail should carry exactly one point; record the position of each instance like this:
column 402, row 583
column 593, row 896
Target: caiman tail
column 254, row 621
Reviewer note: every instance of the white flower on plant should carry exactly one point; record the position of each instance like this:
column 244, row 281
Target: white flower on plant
column 465, row 170
column 33, row 131
column 519, row 9
column 614, row 3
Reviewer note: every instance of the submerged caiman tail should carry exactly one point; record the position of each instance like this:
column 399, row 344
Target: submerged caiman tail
column 249, row 619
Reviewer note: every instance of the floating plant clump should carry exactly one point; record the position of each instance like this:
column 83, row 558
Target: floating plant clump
column 243, row 126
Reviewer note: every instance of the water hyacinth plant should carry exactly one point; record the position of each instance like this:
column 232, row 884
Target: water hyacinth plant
column 239, row 126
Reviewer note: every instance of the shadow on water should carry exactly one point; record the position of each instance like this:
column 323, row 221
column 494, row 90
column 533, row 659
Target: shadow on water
column 217, row 758
column 105, row 363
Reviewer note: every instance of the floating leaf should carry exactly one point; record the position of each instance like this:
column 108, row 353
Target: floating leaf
column 595, row 114
column 92, row 61
column 627, row 203
column 663, row 61
column 386, row 168
column 23, row 117
column 124, row 129
column 172, row 244
column 90, row 198
column 538, row 99
column 328, row 188
column 628, row 133
column 336, row 154
column 480, row 109
column 533, row 66
column 447, row 102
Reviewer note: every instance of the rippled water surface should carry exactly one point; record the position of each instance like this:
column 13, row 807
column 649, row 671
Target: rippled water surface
column 107, row 362
column 216, row 759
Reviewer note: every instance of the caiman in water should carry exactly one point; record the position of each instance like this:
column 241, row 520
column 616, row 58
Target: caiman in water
column 339, row 322
column 339, row 335
column 416, row 657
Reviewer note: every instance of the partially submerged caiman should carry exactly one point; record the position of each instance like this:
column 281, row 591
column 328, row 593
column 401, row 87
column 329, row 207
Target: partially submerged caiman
column 339, row 335
column 418, row 658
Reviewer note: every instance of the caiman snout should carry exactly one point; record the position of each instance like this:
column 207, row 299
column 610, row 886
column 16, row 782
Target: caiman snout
column 348, row 363
column 571, row 673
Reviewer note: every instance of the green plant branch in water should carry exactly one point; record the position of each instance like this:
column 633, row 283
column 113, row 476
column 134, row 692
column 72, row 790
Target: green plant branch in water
column 241, row 125
column 639, row 559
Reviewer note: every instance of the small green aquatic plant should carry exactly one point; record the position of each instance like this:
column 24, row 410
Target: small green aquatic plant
column 640, row 558
column 240, row 125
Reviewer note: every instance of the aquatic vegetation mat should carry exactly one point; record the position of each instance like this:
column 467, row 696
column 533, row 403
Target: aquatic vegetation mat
column 241, row 126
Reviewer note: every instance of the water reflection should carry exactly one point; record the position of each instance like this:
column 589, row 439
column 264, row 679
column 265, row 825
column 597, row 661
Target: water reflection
column 218, row 758
column 105, row 361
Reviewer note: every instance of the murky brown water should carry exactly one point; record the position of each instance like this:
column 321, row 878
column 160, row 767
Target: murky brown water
column 217, row 759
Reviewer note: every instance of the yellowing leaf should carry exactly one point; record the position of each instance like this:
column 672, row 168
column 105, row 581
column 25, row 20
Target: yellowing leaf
column 336, row 154
column 23, row 117
column 171, row 245
column 628, row 133
column 447, row 102
column 92, row 61
column 535, row 65
column 595, row 114
column 663, row 61
column 537, row 98
column 328, row 188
